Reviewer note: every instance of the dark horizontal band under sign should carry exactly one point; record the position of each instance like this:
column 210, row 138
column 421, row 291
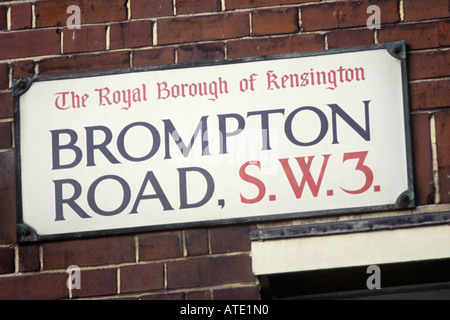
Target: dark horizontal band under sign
column 340, row 227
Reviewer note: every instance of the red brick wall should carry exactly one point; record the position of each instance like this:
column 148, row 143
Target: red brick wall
column 213, row 263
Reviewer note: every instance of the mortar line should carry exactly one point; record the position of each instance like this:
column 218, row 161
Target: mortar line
column 118, row 280
column 401, row 11
column 108, row 37
column 437, row 198
column 136, row 248
column 8, row 18
column 128, row 6
column 33, row 15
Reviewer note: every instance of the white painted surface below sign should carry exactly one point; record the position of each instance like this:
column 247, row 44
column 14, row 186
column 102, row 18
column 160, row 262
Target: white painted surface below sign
column 228, row 142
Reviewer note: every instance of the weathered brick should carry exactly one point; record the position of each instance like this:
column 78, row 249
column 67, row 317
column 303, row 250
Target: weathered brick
column 429, row 94
column 88, row 252
column 344, row 14
column 230, row 239
column 203, row 28
column 239, row 293
column 84, row 39
column 153, row 57
column 53, row 13
column 139, row 278
column 7, row 197
column 201, row 52
column 422, row 159
column 20, row 16
column 5, row 135
column 98, row 282
column 243, row 4
column 84, row 63
column 279, row 45
column 323, row 16
column 160, row 245
column 208, row 271
column 24, row 68
column 29, row 43
column 443, row 153
column 3, row 21
column 196, row 6
column 29, row 258
column 430, row 9
column 418, row 35
column 132, row 34
column 6, row 105
column 163, row 296
column 4, row 76
column 198, row 295
column 197, row 242
column 150, row 9
column 44, row 286
column 349, row 38
column 275, row 21
column 428, row 64
column 7, row 258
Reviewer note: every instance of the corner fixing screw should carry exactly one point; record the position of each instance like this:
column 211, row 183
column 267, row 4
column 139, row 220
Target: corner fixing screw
column 397, row 49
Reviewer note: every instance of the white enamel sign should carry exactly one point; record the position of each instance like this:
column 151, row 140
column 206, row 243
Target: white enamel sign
column 209, row 144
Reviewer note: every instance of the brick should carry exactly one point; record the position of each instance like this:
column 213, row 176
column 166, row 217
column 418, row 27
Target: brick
column 196, row 242
column 418, row 35
column 163, row 296
column 3, row 21
column 241, row 293
column 196, row 6
column 422, row 159
column 243, row 4
column 201, row 52
column 345, row 14
column 153, row 57
column 88, row 252
column 20, row 16
column 7, row 258
column 84, row 39
column 29, row 258
column 349, row 38
column 203, row 28
column 275, row 21
column 84, row 63
column 279, row 45
column 45, row 286
column 443, row 153
column 429, row 94
column 98, row 282
column 428, row 64
column 230, row 239
column 139, row 278
column 198, row 295
column 7, row 198
column 30, row 43
column 131, row 34
column 430, row 9
column 160, row 245
column 52, row 13
column 151, row 9
column 4, row 76
column 198, row 272
column 5, row 135
column 22, row 69
column 6, row 105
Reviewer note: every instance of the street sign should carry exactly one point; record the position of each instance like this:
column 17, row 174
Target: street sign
column 178, row 146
